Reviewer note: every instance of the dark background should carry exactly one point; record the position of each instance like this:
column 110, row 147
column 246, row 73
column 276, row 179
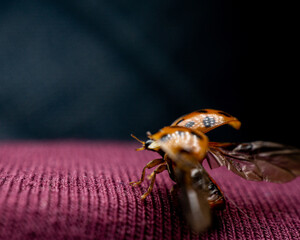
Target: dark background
column 105, row 69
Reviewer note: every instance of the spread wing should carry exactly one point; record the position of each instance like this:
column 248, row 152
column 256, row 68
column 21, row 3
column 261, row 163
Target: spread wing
column 257, row 161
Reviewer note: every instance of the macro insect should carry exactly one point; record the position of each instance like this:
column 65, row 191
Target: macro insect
column 183, row 146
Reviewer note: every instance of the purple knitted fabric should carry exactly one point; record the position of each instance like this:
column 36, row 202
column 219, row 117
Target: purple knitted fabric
column 80, row 190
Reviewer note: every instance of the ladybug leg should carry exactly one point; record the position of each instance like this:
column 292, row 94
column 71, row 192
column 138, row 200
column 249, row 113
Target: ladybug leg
column 216, row 198
column 149, row 165
column 218, row 203
column 159, row 169
column 150, row 176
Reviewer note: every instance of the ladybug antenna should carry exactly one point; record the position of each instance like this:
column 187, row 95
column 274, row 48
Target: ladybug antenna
column 142, row 142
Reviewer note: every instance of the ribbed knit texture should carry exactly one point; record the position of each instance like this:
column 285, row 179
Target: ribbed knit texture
column 80, row 190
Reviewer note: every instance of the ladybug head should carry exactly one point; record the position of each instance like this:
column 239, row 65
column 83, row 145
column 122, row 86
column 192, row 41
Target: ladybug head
column 152, row 145
column 148, row 145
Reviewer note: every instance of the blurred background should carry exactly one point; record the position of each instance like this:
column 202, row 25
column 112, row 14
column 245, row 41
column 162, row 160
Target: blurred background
column 105, row 69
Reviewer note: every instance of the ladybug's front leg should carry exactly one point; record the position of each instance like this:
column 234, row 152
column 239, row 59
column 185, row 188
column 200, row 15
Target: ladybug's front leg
column 149, row 165
column 159, row 169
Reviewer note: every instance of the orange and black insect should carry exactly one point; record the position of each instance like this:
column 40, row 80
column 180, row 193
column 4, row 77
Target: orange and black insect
column 183, row 146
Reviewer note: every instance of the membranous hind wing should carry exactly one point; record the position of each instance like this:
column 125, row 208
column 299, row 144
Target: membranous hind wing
column 257, row 161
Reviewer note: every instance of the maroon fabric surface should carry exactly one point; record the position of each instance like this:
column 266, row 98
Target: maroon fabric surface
column 80, row 190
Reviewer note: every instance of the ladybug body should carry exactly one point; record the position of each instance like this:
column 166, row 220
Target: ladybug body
column 185, row 149
column 183, row 146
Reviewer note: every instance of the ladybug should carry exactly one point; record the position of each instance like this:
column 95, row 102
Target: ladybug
column 183, row 146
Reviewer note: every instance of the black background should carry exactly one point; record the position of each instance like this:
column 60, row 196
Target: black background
column 105, row 69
